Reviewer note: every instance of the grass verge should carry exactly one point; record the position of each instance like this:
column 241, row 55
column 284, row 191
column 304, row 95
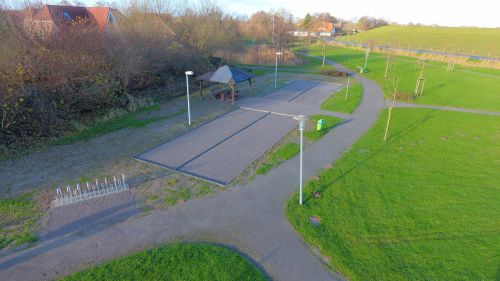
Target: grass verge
column 421, row 206
column 175, row 262
column 288, row 149
column 18, row 220
column 338, row 102
column 130, row 120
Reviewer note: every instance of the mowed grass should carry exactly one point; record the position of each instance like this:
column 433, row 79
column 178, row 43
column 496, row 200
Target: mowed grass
column 18, row 220
column 471, row 88
column 286, row 151
column 422, row 206
column 330, row 122
column 181, row 262
column 469, row 40
column 338, row 102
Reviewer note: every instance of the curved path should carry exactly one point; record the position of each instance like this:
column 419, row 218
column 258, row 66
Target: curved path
column 250, row 218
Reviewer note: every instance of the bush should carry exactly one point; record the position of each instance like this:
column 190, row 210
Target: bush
column 333, row 73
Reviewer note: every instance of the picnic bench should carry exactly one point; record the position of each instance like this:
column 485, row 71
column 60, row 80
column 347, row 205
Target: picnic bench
column 218, row 93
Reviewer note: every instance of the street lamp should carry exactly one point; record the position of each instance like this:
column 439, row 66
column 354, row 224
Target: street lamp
column 302, row 119
column 187, row 87
column 276, row 70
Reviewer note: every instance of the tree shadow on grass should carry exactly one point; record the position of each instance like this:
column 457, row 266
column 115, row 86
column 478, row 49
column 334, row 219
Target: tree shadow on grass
column 322, row 186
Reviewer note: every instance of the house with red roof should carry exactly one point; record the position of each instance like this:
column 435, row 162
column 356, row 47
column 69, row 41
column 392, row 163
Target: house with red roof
column 50, row 19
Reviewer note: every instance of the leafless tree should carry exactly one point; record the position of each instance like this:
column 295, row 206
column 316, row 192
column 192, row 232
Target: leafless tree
column 419, row 85
column 391, row 89
column 388, row 58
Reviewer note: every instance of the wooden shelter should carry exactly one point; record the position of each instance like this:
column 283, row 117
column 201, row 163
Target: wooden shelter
column 226, row 75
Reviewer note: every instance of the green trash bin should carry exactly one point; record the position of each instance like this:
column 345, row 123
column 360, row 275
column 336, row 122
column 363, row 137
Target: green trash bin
column 319, row 124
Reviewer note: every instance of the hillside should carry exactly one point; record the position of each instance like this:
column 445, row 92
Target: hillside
column 469, row 40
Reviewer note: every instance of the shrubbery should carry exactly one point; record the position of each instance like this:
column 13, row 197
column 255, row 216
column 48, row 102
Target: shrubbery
column 51, row 84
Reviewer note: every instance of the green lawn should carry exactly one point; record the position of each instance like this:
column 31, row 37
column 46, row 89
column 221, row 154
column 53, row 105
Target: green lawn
column 338, row 102
column 278, row 156
column 288, row 150
column 482, row 41
column 181, row 262
column 422, row 206
column 472, row 88
column 18, row 220
column 330, row 122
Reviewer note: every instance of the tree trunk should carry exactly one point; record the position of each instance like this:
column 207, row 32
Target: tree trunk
column 347, row 89
column 387, row 125
column 386, row 68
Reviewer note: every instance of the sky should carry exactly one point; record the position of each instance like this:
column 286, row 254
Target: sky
column 480, row 13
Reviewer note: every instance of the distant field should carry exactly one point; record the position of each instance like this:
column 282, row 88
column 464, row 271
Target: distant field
column 421, row 206
column 481, row 41
column 465, row 87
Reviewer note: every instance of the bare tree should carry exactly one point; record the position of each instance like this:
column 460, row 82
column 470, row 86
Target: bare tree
column 419, row 86
column 347, row 88
column 324, row 47
column 369, row 48
column 388, row 58
column 392, row 84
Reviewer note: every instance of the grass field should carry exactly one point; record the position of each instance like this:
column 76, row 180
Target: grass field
column 421, row 206
column 18, row 220
column 472, row 88
column 175, row 262
column 469, row 40
column 338, row 101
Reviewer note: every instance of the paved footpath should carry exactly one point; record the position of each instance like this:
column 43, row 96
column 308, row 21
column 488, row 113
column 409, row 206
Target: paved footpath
column 249, row 218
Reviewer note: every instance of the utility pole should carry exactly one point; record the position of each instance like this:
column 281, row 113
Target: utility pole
column 302, row 119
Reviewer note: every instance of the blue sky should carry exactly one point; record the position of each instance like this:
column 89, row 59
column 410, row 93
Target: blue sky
column 483, row 13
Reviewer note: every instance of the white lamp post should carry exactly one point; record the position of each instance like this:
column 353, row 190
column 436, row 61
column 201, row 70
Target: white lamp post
column 276, row 70
column 302, row 119
column 187, row 87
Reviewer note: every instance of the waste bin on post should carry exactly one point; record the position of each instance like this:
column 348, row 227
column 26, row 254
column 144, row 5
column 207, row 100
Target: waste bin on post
column 319, row 124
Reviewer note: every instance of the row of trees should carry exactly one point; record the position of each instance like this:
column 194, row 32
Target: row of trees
column 312, row 22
